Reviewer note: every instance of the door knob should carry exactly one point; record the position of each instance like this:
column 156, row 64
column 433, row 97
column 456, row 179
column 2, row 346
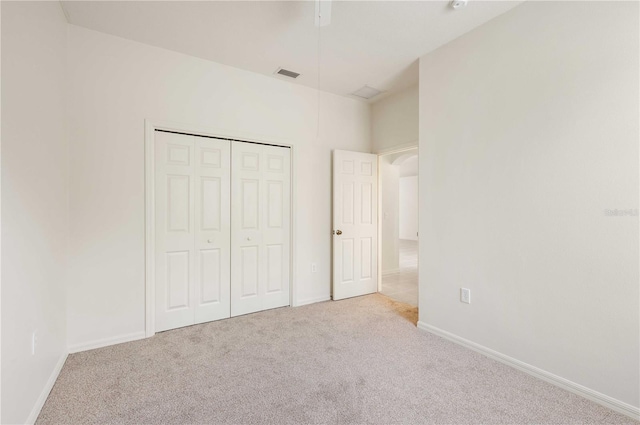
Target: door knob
column 338, row 232
column 210, row 240
column 248, row 239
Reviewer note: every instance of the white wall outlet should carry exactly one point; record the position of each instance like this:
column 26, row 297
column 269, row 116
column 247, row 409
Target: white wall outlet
column 34, row 342
column 465, row 295
column 314, row 267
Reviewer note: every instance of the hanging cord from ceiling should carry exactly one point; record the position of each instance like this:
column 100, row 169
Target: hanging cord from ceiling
column 318, row 54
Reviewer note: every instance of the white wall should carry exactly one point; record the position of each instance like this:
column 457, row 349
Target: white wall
column 408, row 207
column 394, row 121
column 116, row 85
column 409, row 166
column 389, row 201
column 516, row 182
column 34, row 202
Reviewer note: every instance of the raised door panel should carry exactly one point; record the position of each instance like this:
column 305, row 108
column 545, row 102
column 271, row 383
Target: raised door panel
column 250, row 204
column 348, row 201
column 178, row 203
column 210, row 276
column 275, row 204
column 347, row 260
column 249, row 263
column 177, row 274
column 211, row 203
column 275, row 273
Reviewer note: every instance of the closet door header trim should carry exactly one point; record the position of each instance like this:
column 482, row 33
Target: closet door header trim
column 222, row 138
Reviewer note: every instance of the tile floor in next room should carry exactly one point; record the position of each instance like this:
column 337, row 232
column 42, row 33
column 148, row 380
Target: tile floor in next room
column 402, row 285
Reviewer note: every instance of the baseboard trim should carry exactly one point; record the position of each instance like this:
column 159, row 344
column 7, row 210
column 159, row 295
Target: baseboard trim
column 47, row 389
column 105, row 342
column 605, row 400
column 313, row 300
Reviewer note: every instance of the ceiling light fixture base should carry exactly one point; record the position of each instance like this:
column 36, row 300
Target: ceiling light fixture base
column 459, row 4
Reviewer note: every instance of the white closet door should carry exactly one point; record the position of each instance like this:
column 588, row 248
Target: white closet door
column 213, row 229
column 260, row 223
column 192, row 233
column 174, row 230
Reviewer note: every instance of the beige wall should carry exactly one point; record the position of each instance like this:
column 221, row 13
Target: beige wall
column 389, row 201
column 408, row 207
column 35, row 198
column 394, row 121
column 117, row 84
column 528, row 133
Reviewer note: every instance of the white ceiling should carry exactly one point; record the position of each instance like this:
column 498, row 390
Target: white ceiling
column 375, row 43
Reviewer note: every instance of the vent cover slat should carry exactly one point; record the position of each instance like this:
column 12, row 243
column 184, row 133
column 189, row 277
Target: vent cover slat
column 287, row 73
column 366, row 92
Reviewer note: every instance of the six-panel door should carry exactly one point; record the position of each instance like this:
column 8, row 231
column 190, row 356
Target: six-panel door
column 260, row 227
column 355, row 221
column 192, row 198
column 213, row 229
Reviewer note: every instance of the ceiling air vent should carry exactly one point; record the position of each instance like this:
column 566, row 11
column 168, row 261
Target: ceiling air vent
column 366, row 92
column 287, row 73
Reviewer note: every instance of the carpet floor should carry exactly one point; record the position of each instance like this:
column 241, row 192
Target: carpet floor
column 356, row 361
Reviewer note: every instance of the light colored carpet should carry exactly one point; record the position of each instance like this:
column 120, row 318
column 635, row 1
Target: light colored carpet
column 355, row 361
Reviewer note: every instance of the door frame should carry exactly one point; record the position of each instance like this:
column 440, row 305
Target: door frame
column 149, row 202
column 405, row 148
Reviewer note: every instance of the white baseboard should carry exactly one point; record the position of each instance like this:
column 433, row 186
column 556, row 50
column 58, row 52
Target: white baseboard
column 99, row 343
column 312, row 300
column 46, row 390
column 581, row 390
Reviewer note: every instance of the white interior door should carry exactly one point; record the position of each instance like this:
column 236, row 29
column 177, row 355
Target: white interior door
column 260, row 223
column 192, row 234
column 355, row 224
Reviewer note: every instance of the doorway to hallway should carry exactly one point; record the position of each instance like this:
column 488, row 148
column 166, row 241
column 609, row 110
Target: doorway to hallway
column 402, row 285
column 399, row 225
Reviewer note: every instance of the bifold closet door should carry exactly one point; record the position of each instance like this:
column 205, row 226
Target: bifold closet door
column 260, row 227
column 192, row 222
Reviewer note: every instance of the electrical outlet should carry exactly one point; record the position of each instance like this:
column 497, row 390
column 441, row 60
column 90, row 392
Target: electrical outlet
column 465, row 295
column 314, row 267
column 34, row 342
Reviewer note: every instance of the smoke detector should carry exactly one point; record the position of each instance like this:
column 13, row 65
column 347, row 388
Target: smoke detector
column 459, row 4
